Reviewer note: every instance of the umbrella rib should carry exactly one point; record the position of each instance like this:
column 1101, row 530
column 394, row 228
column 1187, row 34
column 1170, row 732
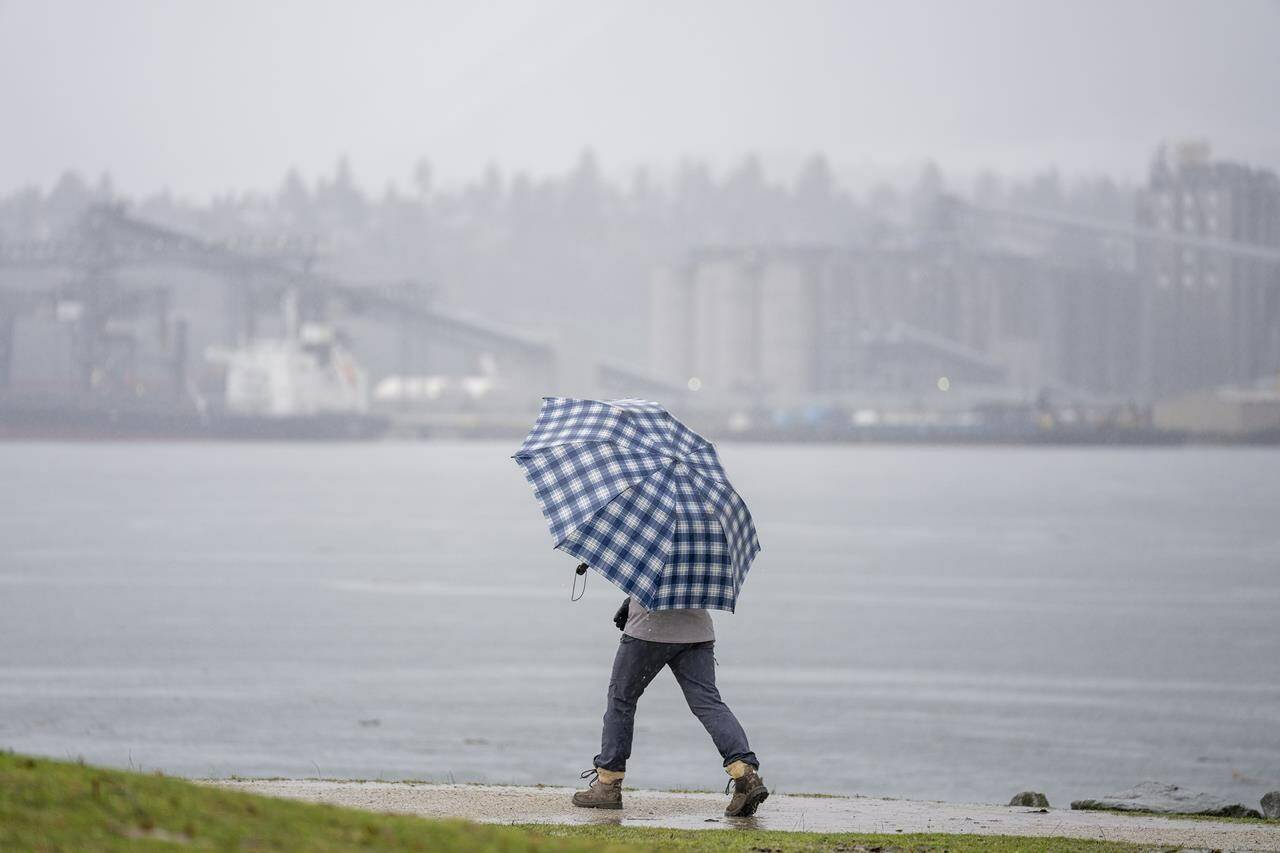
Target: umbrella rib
column 713, row 508
column 521, row 455
column 574, row 547
column 616, row 495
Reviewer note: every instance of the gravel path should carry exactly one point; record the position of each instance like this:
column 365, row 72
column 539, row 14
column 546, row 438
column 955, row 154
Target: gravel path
column 496, row 804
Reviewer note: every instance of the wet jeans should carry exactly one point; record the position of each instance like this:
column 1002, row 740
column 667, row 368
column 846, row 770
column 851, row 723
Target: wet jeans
column 635, row 665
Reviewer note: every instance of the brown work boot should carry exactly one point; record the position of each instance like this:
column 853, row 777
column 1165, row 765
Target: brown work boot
column 605, row 791
column 748, row 792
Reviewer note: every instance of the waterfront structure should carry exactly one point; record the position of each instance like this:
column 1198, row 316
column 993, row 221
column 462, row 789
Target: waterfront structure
column 93, row 343
column 791, row 322
column 1232, row 413
column 1208, row 317
column 1191, row 302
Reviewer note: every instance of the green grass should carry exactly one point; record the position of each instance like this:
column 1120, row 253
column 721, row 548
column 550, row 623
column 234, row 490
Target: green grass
column 57, row 805
column 54, row 805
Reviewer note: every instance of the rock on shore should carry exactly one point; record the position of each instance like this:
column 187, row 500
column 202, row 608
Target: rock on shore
column 1271, row 805
column 1167, row 799
column 1031, row 799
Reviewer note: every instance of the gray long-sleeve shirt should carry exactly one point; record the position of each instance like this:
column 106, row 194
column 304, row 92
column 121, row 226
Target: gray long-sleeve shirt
column 669, row 626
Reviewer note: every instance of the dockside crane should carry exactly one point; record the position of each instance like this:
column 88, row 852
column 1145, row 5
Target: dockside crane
column 108, row 242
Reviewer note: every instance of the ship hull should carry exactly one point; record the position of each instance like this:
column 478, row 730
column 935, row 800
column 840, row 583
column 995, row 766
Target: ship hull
column 83, row 423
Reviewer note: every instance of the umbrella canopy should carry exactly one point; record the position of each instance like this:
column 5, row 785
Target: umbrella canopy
column 642, row 499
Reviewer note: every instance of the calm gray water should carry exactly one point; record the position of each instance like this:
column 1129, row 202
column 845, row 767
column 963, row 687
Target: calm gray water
column 948, row 623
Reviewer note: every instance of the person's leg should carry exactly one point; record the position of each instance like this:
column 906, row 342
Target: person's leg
column 634, row 666
column 695, row 670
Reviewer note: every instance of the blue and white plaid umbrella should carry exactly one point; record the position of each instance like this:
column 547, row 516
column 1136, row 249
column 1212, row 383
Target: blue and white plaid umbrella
column 642, row 499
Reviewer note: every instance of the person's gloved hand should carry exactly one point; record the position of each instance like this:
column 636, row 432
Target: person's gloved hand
column 620, row 618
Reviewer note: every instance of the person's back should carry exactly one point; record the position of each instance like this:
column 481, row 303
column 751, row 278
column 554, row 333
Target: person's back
column 668, row 626
column 683, row 639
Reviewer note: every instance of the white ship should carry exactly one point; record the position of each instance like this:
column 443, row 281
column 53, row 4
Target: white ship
column 306, row 384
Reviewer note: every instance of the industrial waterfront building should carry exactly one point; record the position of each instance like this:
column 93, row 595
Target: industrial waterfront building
column 1193, row 307
column 800, row 321
column 1208, row 317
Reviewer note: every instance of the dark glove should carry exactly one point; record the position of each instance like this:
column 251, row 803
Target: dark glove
column 620, row 618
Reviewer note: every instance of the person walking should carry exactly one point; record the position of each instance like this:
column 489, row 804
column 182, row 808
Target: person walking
column 636, row 495
column 683, row 640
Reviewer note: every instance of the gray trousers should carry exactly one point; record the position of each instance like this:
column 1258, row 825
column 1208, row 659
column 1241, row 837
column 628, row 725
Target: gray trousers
column 635, row 665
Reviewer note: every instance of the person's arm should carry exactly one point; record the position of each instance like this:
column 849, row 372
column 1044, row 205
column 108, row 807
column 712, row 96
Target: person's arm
column 620, row 618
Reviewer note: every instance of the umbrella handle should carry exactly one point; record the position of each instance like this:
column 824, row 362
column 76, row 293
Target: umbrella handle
column 574, row 595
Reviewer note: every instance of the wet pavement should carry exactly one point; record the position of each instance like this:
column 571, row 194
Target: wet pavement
column 506, row 804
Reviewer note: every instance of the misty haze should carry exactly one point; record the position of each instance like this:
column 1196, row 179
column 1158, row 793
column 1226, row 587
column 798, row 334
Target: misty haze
column 978, row 303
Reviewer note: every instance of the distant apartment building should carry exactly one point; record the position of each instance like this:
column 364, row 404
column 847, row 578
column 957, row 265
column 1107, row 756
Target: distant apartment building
column 1208, row 317
column 805, row 321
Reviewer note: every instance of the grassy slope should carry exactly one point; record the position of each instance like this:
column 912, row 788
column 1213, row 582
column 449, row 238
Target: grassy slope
column 53, row 805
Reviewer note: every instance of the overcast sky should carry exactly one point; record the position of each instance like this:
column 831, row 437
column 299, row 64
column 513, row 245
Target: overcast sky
column 203, row 97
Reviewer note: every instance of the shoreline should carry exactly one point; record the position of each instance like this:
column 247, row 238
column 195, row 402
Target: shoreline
column 505, row 804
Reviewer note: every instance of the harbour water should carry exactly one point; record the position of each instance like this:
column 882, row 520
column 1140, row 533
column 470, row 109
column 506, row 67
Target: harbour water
column 934, row 622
